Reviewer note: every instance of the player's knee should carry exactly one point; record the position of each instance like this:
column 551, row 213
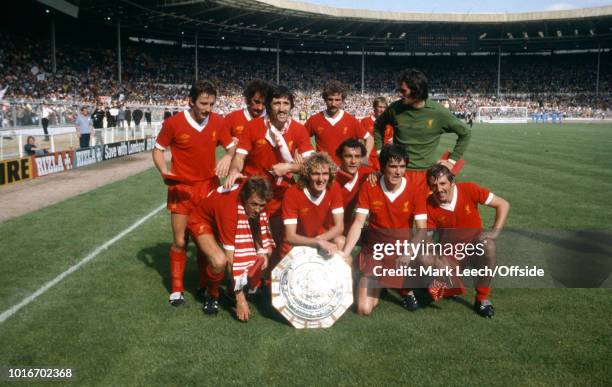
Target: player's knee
column 218, row 262
column 179, row 243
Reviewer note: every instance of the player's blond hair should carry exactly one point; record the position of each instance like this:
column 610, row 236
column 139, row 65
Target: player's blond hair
column 311, row 163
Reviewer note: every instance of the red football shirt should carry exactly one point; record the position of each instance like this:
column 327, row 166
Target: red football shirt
column 193, row 145
column 313, row 216
column 350, row 189
column 237, row 121
column 261, row 156
column 368, row 125
column 391, row 210
column 460, row 213
column 330, row 133
column 218, row 212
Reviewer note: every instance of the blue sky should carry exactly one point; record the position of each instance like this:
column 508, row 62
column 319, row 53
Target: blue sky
column 465, row 6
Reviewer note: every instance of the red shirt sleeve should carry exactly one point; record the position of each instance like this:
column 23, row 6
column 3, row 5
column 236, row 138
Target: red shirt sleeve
column 477, row 193
column 244, row 141
column 225, row 137
column 336, row 197
column 364, row 198
column 166, row 135
column 289, row 209
column 303, row 141
column 419, row 203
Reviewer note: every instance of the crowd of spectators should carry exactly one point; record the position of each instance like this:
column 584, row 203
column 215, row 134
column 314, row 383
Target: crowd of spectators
column 157, row 77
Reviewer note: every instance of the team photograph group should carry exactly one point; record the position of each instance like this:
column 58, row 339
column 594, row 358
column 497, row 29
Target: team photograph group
column 335, row 183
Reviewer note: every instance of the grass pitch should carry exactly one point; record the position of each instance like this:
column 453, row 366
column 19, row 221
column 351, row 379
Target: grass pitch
column 110, row 321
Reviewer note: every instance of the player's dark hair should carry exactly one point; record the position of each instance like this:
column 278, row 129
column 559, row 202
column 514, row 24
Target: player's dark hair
column 256, row 86
column 334, row 87
column 379, row 100
column 390, row 152
column 255, row 185
column 313, row 161
column 416, row 82
column 202, row 87
column 351, row 143
column 438, row 170
column 278, row 91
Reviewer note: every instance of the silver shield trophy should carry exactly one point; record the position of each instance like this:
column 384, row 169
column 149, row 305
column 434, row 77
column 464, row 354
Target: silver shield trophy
column 311, row 291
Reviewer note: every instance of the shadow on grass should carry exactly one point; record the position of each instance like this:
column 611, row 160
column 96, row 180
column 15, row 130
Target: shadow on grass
column 156, row 258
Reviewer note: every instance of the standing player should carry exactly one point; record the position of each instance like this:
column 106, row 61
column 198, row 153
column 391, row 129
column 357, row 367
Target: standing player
column 234, row 218
column 312, row 210
column 379, row 105
column 391, row 205
column 453, row 209
column 333, row 125
column 351, row 175
column 255, row 94
column 193, row 137
column 418, row 123
column 272, row 147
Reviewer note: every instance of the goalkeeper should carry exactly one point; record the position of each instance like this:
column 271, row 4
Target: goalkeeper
column 418, row 124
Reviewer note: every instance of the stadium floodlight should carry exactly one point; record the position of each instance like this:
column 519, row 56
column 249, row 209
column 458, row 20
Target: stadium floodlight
column 482, row 36
column 559, row 33
column 62, row 6
column 47, row 11
column 540, row 34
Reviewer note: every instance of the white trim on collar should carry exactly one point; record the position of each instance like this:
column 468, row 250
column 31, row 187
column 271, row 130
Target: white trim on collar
column 392, row 195
column 351, row 184
column 193, row 123
column 249, row 117
column 451, row 206
column 331, row 120
column 314, row 201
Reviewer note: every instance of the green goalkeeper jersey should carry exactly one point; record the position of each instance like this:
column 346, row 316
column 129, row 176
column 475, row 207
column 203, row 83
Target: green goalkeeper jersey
column 419, row 130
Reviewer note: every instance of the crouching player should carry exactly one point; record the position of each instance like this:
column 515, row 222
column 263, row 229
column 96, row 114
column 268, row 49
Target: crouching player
column 234, row 218
column 452, row 208
column 391, row 204
column 312, row 211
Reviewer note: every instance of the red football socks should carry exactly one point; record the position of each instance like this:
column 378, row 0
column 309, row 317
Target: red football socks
column 214, row 281
column 203, row 278
column 482, row 294
column 178, row 258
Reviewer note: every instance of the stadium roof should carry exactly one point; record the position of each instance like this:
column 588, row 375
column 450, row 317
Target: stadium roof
column 304, row 26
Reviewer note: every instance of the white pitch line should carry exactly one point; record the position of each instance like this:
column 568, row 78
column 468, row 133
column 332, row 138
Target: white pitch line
column 15, row 308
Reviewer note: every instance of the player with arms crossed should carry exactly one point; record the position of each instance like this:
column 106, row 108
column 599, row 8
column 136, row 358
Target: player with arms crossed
column 234, row 218
column 391, row 204
column 418, row 123
column 312, row 211
column 192, row 136
column 255, row 94
column 452, row 208
column 333, row 125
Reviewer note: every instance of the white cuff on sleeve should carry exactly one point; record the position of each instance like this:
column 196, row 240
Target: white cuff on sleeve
column 242, row 151
column 420, row 217
column 339, row 210
column 290, row 221
column 159, row 146
column 362, row 211
column 489, row 198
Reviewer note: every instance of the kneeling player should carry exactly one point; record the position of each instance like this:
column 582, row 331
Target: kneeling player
column 235, row 218
column 452, row 208
column 312, row 211
column 391, row 204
